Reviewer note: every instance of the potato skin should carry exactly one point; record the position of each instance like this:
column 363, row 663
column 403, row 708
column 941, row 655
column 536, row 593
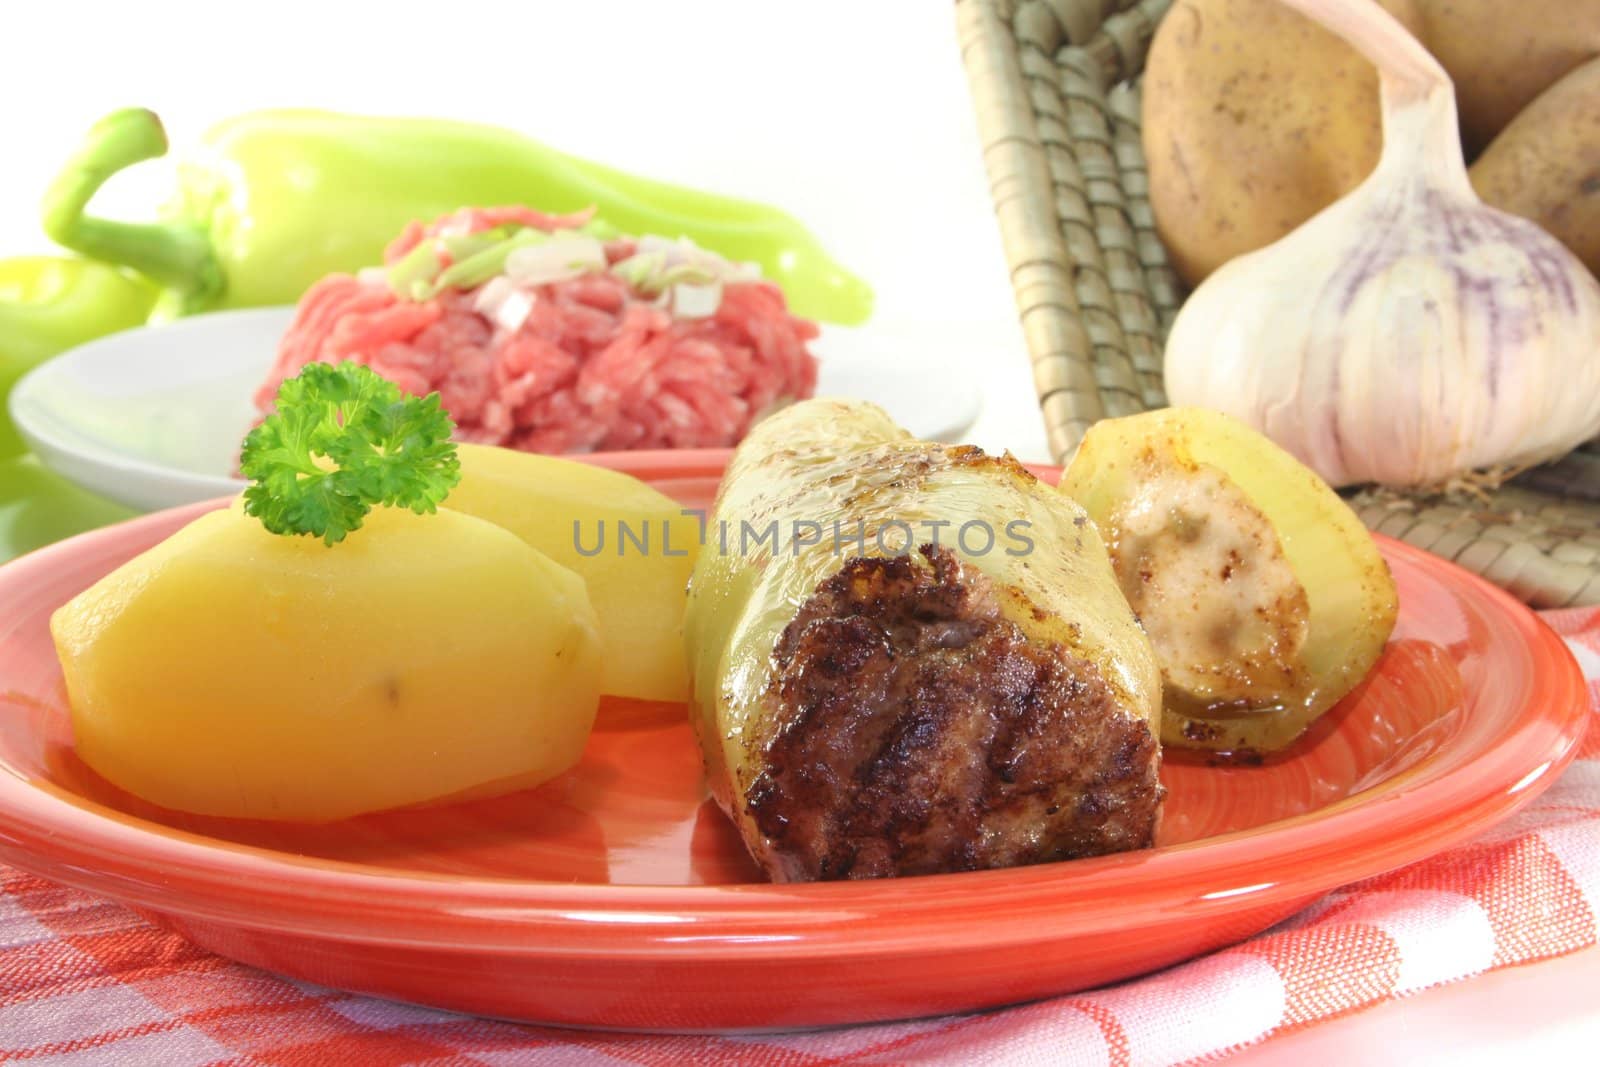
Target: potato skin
column 1501, row 55
column 563, row 508
column 1545, row 166
column 233, row 672
column 1255, row 118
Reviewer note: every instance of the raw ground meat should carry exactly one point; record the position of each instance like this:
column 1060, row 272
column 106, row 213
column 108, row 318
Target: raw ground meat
column 596, row 366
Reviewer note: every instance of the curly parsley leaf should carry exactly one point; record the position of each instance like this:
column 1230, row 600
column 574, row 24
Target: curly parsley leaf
column 341, row 442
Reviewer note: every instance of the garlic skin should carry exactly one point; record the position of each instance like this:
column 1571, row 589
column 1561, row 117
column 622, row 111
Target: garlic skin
column 1407, row 334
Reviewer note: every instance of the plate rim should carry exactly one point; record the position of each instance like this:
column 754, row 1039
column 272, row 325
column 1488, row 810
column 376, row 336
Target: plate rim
column 127, row 858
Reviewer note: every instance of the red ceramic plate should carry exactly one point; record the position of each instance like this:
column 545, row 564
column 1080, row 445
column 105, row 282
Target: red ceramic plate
column 617, row 896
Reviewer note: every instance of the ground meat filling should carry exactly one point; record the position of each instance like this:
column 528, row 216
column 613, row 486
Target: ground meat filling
column 921, row 731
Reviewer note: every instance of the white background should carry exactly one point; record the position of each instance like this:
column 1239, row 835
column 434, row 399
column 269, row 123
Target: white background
column 853, row 115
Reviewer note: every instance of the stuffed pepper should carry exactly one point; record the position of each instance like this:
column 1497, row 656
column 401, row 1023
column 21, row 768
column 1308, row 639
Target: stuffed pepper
column 908, row 658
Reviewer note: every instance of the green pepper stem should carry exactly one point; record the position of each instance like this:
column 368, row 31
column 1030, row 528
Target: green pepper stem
column 175, row 254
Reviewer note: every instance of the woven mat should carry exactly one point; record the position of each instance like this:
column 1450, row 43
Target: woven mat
column 1055, row 85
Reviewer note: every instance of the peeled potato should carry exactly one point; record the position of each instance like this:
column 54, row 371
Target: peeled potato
column 632, row 545
column 1263, row 594
column 230, row 671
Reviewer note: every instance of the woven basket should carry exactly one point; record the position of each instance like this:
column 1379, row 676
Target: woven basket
column 1055, row 84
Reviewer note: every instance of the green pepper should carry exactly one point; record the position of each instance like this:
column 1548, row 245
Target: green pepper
column 38, row 507
column 48, row 305
column 278, row 199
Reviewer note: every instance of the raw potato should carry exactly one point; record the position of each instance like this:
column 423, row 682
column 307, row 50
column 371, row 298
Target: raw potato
column 1264, row 596
column 1545, row 166
column 230, row 671
column 637, row 582
column 1255, row 119
column 1501, row 54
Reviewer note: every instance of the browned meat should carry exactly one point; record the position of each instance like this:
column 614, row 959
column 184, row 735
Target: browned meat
column 918, row 730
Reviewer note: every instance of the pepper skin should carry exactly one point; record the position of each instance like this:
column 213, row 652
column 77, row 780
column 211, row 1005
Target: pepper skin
column 38, row 507
column 48, row 305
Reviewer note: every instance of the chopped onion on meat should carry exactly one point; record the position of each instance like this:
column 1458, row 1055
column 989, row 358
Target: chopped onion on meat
column 505, row 303
column 555, row 260
column 696, row 301
column 506, row 263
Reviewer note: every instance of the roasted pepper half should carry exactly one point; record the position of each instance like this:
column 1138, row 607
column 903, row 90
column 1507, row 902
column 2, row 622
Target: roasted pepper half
column 48, row 305
column 275, row 200
column 1264, row 596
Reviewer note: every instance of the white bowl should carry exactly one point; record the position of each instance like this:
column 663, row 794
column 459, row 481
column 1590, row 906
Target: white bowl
column 153, row 417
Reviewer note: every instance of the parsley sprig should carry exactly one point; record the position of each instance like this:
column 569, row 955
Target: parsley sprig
column 342, row 441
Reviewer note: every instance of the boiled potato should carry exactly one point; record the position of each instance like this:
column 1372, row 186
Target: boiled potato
column 1255, row 118
column 230, row 671
column 633, row 547
column 1545, row 166
column 1264, row 596
column 1502, row 54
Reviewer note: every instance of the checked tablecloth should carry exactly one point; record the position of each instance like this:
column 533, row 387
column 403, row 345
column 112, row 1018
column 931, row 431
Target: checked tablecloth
column 85, row 981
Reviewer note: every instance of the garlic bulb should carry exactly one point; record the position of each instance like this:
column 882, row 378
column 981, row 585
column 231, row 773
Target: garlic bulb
column 1408, row 333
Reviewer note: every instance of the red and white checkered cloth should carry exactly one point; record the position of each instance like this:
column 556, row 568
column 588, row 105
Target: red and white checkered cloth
column 84, row 981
